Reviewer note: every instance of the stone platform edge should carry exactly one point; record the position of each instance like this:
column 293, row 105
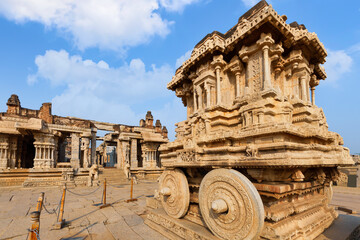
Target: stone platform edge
column 176, row 229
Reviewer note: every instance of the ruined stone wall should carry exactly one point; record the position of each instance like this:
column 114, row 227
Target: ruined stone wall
column 45, row 113
column 81, row 123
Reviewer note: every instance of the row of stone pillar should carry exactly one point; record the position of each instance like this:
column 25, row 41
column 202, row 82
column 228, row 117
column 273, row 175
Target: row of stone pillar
column 44, row 156
column 8, row 149
column 304, row 84
column 128, row 153
column 85, row 144
column 198, row 96
column 44, row 152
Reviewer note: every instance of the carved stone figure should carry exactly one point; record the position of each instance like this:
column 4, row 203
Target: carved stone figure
column 127, row 170
column 93, row 175
column 265, row 164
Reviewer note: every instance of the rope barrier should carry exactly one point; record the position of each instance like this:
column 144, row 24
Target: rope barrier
column 35, row 232
column 114, row 186
column 53, row 210
column 83, row 194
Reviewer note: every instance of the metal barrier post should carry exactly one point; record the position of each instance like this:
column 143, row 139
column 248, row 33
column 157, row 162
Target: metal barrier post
column 104, row 196
column 40, row 202
column 60, row 221
column 35, row 226
column 131, row 192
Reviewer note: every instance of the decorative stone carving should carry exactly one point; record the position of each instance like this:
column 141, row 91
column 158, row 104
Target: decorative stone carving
column 263, row 125
column 45, row 146
column 187, row 156
column 251, row 150
column 93, row 175
column 174, row 193
column 230, row 205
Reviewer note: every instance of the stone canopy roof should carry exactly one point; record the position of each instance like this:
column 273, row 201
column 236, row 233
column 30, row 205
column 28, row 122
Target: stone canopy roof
column 243, row 33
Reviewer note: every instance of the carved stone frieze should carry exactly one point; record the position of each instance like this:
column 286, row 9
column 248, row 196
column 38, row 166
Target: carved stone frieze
column 187, row 156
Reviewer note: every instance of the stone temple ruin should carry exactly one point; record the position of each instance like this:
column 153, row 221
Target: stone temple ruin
column 254, row 158
column 38, row 148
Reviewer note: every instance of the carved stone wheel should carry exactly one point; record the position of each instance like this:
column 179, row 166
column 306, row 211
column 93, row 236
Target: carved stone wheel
column 174, row 193
column 230, row 205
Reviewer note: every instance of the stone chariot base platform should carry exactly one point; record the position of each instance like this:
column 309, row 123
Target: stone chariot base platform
column 177, row 229
column 306, row 225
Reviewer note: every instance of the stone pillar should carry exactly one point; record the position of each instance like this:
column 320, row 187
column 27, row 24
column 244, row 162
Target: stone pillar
column 200, row 97
column 237, row 77
column 56, row 150
column 124, row 152
column 313, row 95
column 85, row 142
column 118, row 154
column 4, row 147
column 303, row 88
column 261, row 117
column 267, row 74
column 133, row 154
column 218, row 85
column 3, row 157
column 75, row 147
column 18, row 153
column 93, row 147
column 208, row 95
column 195, row 100
column 307, row 91
column 12, row 151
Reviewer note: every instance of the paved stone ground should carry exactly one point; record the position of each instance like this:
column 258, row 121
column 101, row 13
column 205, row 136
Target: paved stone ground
column 121, row 220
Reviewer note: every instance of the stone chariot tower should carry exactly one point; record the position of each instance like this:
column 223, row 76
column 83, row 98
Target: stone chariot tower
column 254, row 158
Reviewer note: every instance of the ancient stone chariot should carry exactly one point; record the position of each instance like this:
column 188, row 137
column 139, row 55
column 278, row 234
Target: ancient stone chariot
column 254, row 159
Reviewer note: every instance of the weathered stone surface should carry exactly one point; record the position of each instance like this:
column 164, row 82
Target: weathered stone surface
column 250, row 98
column 133, row 220
column 176, row 228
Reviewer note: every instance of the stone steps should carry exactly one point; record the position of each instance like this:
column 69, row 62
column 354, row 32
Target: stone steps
column 13, row 177
column 113, row 176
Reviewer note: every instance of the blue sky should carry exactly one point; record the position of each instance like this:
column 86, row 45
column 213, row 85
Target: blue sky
column 110, row 60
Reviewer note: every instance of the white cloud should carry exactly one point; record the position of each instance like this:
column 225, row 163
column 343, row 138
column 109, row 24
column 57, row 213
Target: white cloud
column 95, row 90
column 250, row 3
column 176, row 5
column 107, row 24
column 354, row 49
column 337, row 64
column 182, row 59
